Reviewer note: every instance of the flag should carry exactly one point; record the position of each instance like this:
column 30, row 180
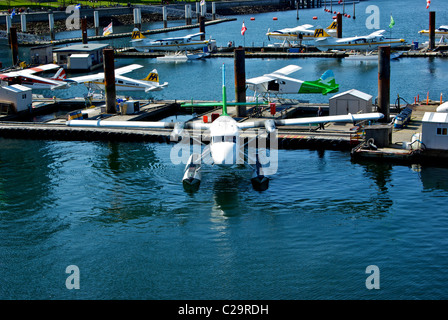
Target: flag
column 13, row 13
column 108, row 30
column 78, row 6
column 243, row 29
column 202, row 2
column 392, row 22
column 428, row 2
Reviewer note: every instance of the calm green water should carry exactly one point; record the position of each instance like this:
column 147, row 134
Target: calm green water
column 119, row 213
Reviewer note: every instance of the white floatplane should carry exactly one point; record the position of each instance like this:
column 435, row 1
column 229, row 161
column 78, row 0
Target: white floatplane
column 96, row 81
column 324, row 42
column 278, row 83
column 188, row 42
column 440, row 32
column 226, row 143
column 299, row 33
column 27, row 78
column 183, row 56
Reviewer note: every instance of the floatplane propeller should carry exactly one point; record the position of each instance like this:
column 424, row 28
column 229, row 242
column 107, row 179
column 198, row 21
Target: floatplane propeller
column 226, row 145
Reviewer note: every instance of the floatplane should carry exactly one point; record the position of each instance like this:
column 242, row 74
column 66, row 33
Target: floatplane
column 278, row 83
column 226, row 145
column 323, row 41
column 188, row 42
column 299, row 33
column 440, row 32
column 27, row 78
column 122, row 83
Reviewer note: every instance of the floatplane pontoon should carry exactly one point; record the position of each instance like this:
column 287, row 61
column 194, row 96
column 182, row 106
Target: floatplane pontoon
column 226, row 143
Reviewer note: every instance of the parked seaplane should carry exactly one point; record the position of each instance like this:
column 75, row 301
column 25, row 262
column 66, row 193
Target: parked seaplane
column 226, row 143
column 188, row 42
column 27, row 78
column 440, row 32
column 299, row 33
column 96, row 81
column 278, row 83
column 324, row 42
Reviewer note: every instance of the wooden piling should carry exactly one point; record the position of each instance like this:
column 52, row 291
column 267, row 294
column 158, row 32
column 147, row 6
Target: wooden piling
column 432, row 28
column 240, row 80
column 202, row 26
column 14, row 46
column 23, row 22
column 96, row 20
column 51, row 23
column 188, row 14
column 109, row 80
column 339, row 26
column 164, row 17
column 84, row 30
column 384, row 82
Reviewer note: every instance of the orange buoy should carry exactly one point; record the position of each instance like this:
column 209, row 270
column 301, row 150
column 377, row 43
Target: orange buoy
column 275, row 18
column 349, row 16
column 334, row 17
column 252, row 18
column 314, row 18
column 334, row 12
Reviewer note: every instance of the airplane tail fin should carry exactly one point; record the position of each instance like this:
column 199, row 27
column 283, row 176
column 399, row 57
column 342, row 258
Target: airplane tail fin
column 333, row 26
column 320, row 33
column 328, row 82
column 153, row 76
column 136, row 34
column 59, row 75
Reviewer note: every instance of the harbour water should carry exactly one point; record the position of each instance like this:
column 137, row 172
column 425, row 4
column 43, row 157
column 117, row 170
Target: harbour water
column 118, row 211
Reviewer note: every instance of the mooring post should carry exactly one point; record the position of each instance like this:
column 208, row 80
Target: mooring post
column 137, row 18
column 164, row 15
column 96, row 21
column 14, row 46
column 187, row 14
column 84, row 30
column 213, row 11
column 109, row 80
column 432, row 29
column 51, row 22
column 384, row 82
column 339, row 26
column 198, row 11
column 23, row 22
column 240, row 80
column 354, row 10
column 202, row 27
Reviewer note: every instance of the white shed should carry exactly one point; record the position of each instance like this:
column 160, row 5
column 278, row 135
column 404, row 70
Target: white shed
column 79, row 61
column 435, row 130
column 19, row 96
column 352, row 101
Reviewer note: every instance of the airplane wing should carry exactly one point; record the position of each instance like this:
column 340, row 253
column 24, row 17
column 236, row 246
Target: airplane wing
column 87, row 78
column 27, row 72
column 274, row 75
column 127, row 69
column 378, row 33
column 304, row 27
column 301, row 121
column 100, row 76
